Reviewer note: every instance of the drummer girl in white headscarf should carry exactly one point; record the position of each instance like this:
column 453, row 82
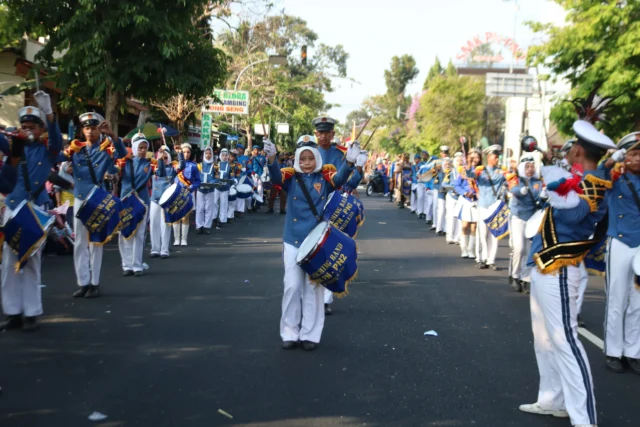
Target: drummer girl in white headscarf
column 189, row 176
column 224, row 170
column 524, row 203
column 205, row 204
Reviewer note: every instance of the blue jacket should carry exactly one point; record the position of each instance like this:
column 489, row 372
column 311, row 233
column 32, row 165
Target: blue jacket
column 143, row 170
column 300, row 220
column 424, row 168
column 225, row 171
column 244, row 161
column 40, row 158
column 102, row 155
column 462, row 187
column 487, row 195
column 574, row 224
column 624, row 217
column 336, row 157
column 8, row 177
column 188, row 173
column 165, row 175
column 207, row 172
column 525, row 206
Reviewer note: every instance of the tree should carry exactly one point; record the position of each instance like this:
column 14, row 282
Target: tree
column 358, row 116
column 597, row 48
column 178, row 109
column 123, row 48
column 11, row 27
column 436, row 70
column 451, row 108
column 451, row 70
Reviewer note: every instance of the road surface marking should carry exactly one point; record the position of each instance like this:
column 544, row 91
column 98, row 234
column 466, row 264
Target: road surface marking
column 592, row 338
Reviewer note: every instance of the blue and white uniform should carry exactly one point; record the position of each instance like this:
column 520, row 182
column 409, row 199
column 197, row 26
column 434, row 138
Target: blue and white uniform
column 21, row 293
column 188, row 175
column 452, row 221
column 302, row 302
column 243, row 161
column 224, row 170
column 160, row 231
column 427, row 197
column 205, row 196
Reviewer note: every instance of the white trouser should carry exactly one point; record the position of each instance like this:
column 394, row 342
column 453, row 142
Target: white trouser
column 434, row 206
column 421, row 193
column 131, row 249
column 452, row 226
column 21, row 292
column 521, row 248
column 221, row 205
column 328, row 296
column 565, row 375
column 232, row 209
column 302, row 302
column 414, row 197
column 441, row 222
column 487, row 242
column 160, row 231
column 87, row 257
column 427, row 204
column 240, row 205
column 622, row 318
column 205, row 209
column 584, row 280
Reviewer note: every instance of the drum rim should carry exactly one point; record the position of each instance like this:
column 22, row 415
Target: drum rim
column 160, row 201
column 317, row 245
column 541, row 213
column 244, row 192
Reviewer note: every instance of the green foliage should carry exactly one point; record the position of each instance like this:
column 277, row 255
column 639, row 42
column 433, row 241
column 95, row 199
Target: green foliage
column 451, row 108
column 436, row 70
column 11, row 28
column 451, row 70
column 357, row 116
column 403, row 70
column 599, row 46
column 149, row 49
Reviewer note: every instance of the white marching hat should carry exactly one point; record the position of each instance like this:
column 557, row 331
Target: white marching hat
column 90, row 119
column 32, row 114
column 588, row 133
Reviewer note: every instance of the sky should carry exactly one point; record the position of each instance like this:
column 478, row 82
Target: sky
column 373, row 31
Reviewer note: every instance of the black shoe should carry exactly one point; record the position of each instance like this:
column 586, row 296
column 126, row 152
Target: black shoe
column 127, row 273
column 327, row 310
column 207, row 231
column 229, row 220
column 81, row 291
column 138, row 273
column 493, row 267
column 283, row 212
column 269, row 211
column 441, row 233
column 526, row 287
column 93, row 291
column 288, row 345
column 164, row 256
column 581, row 322
column 199, row 230
column 428, row 222
column 481, row 265
column 13, row 322
column 154, row 255
column 308, row 345
column 517, row 285
column 614, row 364
column 30, row 324
column 511, row 280
column 634, row 365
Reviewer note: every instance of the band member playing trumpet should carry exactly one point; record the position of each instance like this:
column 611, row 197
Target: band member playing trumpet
column 490, row 179
column 189, row 176
column 622, row 321
column 205, row 205
column 525, row 201
column 467, row 209
column 91, row 160
column 32, row 157
column 159, row 230
column 302, row 313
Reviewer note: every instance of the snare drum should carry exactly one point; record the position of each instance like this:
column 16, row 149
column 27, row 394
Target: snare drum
column 534, row 224
column 133, row 215
column 344, row 211
column 176, row 201
column 26, row 230
column 233, row 194
column 329, row 257
column 100, row 214
column 246, row 181
column 244, row 191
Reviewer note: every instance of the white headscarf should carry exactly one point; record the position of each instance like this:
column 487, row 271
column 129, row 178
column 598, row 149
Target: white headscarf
column 523, row 164
column 136, row 141
column 223, row 152
column 316, row 154
column 204, row 159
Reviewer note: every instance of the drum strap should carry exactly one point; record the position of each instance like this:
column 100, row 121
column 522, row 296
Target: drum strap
column 92, row 172
column 495, row 194
column 27, row 181
column 634, row 192
column 533, row 199
column 133, row 176
column 307, row 196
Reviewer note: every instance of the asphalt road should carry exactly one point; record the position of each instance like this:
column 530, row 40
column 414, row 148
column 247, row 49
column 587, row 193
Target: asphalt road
column 199, row 333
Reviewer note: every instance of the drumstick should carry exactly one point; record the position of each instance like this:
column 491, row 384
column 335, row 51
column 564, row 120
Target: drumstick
column 363, row 127
column 371, row 136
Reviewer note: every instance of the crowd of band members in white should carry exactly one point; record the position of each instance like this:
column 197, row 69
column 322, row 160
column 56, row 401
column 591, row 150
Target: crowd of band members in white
column 452, row 192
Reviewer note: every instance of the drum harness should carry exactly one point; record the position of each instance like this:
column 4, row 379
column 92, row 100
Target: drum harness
column 495, row 194
column 634, row 192
column 307, row 196
column 27, row 181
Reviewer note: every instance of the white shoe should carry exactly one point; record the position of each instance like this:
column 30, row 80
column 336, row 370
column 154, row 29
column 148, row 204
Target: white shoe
column 176, row 243
column 465, row 254
column 535, row 408
column 183, row 243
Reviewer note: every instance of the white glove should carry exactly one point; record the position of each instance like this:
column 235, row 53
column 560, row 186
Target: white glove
column 44, row 102
column 243, row 169
column 544, row 194
column 269, row 148
column 362, row 158
column 619, row 155
column 353, row 152
column 524, row 191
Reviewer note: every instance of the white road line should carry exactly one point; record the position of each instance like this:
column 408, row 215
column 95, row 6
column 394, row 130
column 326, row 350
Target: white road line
column 591, row 337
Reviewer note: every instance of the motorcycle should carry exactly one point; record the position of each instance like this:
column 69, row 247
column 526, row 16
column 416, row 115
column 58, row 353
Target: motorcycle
column 375, row 183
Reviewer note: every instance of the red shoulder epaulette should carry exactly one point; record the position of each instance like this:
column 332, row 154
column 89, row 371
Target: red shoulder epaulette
column 328, row 171
column 342, row 148
column 287, row 173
